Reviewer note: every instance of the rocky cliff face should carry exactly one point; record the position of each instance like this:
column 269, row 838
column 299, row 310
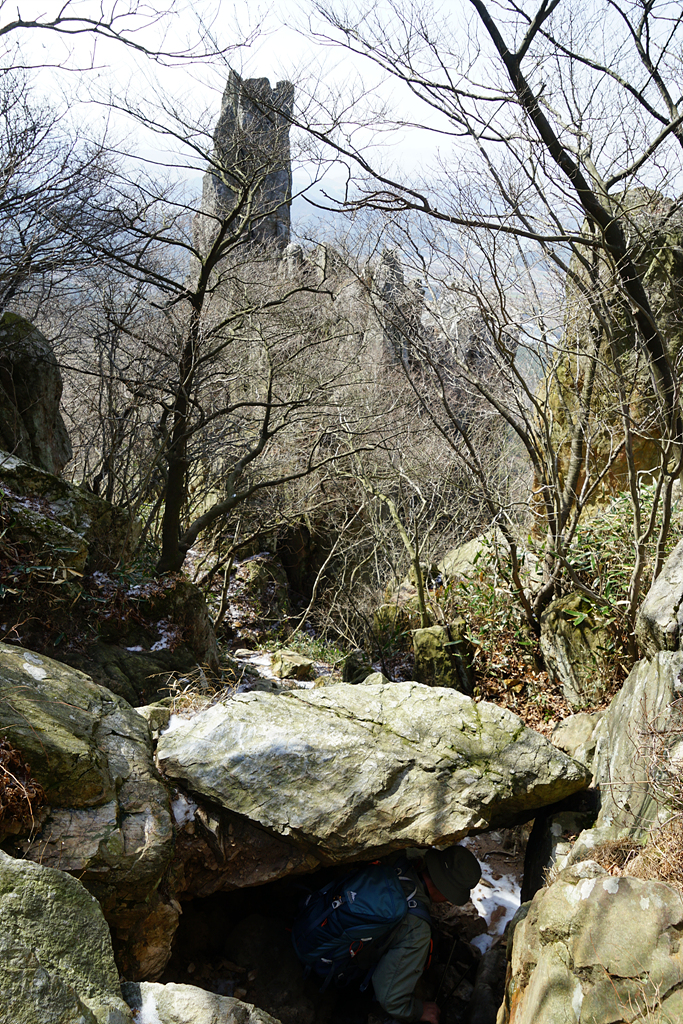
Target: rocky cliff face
column 31, row 425
column 250, row 175
column 653, row 228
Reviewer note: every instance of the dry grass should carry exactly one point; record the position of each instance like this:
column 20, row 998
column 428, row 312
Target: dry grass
column 199, row 688
column 617, row 855
column 662, row 858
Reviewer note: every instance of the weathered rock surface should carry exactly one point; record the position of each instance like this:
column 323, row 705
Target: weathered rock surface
column 653, row 230
column 61, row 524
column 259, row 598
column 72, row 540
column 108, row 817
column 357, row 667
column 290, row 665
column 575, row 639
column 31, row 425
column 151, row 630
column 251, row 144
column 399, row 616
column 443, row 656
column 660, row 617
column 552, row 840
column 473, row 557
column 355, row 770
column 217, row 850
column 186, row 1004
column 597, row 949
column 56, row 959
column 576, row 735
column 638, row 736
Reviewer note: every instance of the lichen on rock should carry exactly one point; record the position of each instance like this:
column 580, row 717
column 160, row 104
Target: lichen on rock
column 357, row 771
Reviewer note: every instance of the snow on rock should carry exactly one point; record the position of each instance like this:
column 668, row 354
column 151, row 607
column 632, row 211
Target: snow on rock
column 497, row 896
column 183, row 808
column 497, row 900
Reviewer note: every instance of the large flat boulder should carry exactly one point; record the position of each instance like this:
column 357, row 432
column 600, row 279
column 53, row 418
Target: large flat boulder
column 359, row 770
column 108, row 817
column 56, row 959
column 596, row 949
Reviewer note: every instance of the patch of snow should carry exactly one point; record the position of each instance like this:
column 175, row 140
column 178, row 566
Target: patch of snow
column 261, row 662
column 183, row 809
column 497, row 901
column 148, row 1011
column 101, row 578
column 33, row 670
column 175, row 722
column 39, row 505
column 583, row 890
column 138, row 648
column 577, row 999
column 168, row 635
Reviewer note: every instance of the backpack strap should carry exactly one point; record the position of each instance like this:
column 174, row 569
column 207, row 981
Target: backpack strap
column 418, row 910
column 415, row 907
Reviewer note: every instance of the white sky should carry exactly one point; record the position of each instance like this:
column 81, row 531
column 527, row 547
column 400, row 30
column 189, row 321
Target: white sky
column 277, row 52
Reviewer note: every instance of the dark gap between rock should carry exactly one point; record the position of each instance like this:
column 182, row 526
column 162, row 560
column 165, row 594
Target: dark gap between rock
column 238, row 943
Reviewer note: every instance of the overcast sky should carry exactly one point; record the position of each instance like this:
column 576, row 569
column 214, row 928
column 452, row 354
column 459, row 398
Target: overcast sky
column 278, row 49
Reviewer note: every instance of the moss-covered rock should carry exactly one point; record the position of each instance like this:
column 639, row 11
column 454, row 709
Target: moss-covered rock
column 291, row 665
column 660, row 617
column 31, row 425
column 354, row 771
column 653, row 229
column 356, row 667
column 596, row 948
column 259, row 599
column 577, row 642
column 108, row 818
column 443, row 656
column 56, row 959
column 64, row 580
column 60, row 524
column 638, row 739
column 392, row 622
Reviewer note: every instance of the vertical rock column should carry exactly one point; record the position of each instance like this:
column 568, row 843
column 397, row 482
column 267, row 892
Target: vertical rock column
column 250, row 176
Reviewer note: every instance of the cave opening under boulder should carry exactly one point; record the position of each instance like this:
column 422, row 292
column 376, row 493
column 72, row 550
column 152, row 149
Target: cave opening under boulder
column 238, row 943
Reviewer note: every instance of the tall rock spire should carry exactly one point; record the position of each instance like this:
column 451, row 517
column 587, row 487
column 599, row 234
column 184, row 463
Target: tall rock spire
column 250, row 177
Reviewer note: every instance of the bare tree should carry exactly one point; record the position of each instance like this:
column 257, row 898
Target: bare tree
column 564, row 135
column 141, row 25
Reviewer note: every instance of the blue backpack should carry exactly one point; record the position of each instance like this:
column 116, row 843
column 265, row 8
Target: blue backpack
column 353, row 915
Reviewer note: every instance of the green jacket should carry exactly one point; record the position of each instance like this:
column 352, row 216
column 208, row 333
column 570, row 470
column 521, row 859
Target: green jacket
column 398, row 972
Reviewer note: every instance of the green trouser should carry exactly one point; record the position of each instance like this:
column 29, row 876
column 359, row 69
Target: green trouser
column 398, row 972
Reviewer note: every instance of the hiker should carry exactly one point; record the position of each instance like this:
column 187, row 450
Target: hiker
column 375, row 925
column 446, row 876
